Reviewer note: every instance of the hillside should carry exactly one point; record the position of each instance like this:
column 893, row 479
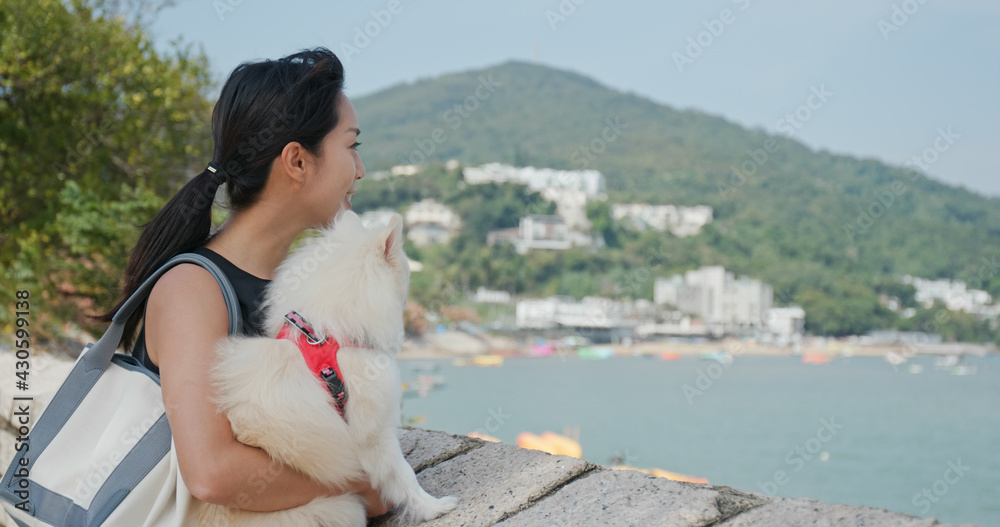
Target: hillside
column 796, row 219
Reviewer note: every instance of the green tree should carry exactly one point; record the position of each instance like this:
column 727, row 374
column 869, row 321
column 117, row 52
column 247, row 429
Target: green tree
column 599, row 215
column 951, row 325
column 844, row 309
column 96, row 129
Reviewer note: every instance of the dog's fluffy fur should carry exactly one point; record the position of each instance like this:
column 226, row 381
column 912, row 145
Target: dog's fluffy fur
column 351, row 283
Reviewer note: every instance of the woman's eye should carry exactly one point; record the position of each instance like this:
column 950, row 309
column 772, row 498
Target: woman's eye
column 355, row 145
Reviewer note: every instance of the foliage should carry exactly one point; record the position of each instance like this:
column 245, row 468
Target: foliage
column 795, row 219
column 951, row 325
column 96, row 129
column 459, row 314
column 414, row 319
column 601, row 223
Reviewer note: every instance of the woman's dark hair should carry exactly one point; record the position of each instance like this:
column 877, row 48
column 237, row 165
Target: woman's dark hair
column 263, row 106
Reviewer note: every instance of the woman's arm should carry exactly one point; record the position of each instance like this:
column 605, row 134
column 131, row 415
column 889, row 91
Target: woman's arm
column 185, row 317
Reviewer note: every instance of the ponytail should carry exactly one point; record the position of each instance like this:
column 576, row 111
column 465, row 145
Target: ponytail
column 182, row 225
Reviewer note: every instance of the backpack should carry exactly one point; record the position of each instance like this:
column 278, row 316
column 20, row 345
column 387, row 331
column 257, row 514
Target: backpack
column 98, row 453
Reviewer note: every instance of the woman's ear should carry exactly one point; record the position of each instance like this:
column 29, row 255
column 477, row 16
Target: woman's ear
column 292, row 162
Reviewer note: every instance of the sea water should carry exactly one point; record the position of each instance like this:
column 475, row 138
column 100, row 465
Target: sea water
column 856, row 431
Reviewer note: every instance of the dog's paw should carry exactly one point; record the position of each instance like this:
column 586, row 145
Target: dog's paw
column 446, row 504
column 432, row 508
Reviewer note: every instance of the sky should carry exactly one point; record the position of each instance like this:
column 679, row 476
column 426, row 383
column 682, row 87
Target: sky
column 908, row 82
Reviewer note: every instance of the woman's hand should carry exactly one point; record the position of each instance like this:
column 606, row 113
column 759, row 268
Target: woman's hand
column 373, row 501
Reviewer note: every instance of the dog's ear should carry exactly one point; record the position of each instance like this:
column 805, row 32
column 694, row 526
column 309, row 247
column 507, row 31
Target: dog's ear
column 392, row 238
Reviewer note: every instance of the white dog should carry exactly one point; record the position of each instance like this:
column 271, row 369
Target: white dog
column 350, row 283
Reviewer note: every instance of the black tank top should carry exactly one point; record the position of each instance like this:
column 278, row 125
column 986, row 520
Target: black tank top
column 249, row 291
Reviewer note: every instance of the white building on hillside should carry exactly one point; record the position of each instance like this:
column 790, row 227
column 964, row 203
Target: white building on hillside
column 429, row 222
column 544, row 231
column 571, row 206
column 589, row 181
column 599, row 319
column 405, row 170
column 430, row 211
column 721, row 300
column 680, row 220
column 489, row 296
column 955, row 295
column 424, row 234
column 540, row 231
column 786, row 321
column 565, row 311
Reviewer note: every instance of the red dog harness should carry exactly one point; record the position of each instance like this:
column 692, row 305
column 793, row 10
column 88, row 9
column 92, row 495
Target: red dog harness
column 320, row 354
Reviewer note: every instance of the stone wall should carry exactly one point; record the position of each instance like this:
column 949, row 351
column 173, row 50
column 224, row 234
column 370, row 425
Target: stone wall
column 500, row 484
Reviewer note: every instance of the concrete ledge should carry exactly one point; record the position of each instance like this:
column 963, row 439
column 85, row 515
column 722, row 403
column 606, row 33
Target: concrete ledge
column 423, row 448
column 626, row 497
column 499, row 484
column 493, row 481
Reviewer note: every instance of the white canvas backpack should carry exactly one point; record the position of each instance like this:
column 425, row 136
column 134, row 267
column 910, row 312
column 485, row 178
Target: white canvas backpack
column 101, row 452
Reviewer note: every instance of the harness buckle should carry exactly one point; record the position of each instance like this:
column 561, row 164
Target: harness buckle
column 335, row 385
column 296, row 320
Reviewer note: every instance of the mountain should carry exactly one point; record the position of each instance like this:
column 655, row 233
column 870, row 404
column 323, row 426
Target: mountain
column 810, row 222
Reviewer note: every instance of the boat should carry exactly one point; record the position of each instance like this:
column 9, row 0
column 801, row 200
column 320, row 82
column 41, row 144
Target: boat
column 595, row 352
column 542, row 350
column 551, row 442
column 573, row 342
column 896, row 359
column 815, row 358
column 946, row 362
column 422, row 385
column 670, row 356
column 963, row 369
column 718, row 356
column 487, row 360
column 478, row 360
column 415, row 420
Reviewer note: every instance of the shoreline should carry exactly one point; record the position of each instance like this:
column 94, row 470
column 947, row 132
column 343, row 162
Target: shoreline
column 457, row 344
column 453, row 344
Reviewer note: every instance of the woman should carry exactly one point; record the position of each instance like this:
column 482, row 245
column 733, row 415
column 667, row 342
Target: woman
column 286, row 150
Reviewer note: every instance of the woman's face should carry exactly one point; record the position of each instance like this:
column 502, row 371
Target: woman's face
column 339, row 165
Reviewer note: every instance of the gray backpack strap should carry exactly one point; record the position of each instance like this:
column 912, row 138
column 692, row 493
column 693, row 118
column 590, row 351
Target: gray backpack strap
column 114, row 333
